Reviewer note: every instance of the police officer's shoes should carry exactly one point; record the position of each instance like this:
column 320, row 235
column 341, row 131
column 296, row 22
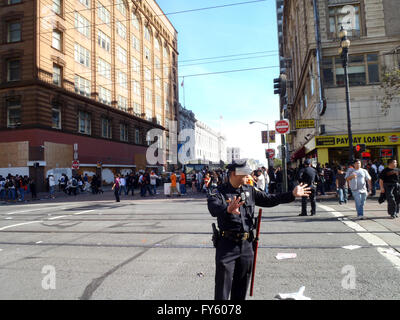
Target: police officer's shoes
column 302, row 214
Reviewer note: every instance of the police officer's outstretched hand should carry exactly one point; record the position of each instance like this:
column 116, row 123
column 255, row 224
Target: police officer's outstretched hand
column 234, row 205
column 302, row 190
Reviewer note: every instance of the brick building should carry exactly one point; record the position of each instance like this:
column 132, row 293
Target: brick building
column 83, row 80
column 309, row 43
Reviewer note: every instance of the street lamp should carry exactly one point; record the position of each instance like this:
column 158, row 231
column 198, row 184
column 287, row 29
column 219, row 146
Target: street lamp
column 344, row 53
column 265, row 124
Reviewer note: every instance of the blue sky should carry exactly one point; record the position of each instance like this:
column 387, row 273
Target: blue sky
column 239, row 97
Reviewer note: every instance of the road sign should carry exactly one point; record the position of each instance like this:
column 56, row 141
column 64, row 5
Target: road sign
column 282, row 126
column 271, row 153
column 75, row 164
column 305, row 123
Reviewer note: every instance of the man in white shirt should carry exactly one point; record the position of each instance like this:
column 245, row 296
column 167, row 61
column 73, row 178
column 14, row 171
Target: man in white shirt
column 153, row 182
column 260, row 180
column 122, row 185
column 357, row 179
column 52, row 184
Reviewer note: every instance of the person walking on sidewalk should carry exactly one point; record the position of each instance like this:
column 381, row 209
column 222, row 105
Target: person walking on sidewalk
column 390, row 186
column 341, row 185
column 357, row 178
column 116, row 187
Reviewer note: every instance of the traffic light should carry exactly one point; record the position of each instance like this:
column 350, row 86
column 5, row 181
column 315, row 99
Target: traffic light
column 277, row 86
column 360, row 148
column 267, row 154
column 280, row 85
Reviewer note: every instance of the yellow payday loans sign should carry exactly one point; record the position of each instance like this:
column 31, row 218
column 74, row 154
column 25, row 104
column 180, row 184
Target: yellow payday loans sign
column 370, row 139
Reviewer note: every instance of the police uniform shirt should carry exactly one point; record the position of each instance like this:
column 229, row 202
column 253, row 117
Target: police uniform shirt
column 217, row 205
column 387, row 177
column 308, row 176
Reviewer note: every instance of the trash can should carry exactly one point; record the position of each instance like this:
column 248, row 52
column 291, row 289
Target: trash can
column 167, row 188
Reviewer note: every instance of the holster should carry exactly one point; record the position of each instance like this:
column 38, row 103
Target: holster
column 216, row 235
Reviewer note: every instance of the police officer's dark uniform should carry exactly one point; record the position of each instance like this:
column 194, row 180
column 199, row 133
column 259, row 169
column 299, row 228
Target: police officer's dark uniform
column 390, row 179
column 234, row 248
column 308, row 175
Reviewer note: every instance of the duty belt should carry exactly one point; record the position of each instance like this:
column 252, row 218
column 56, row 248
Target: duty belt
column 235, row 236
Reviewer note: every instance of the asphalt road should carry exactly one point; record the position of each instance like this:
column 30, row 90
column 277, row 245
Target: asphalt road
column 91, row 247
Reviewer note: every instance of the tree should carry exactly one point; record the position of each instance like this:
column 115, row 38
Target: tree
column 391, row 87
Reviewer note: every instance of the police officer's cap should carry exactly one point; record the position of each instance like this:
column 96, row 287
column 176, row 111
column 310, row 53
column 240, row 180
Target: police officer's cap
column 307, row 162
column 240, row 166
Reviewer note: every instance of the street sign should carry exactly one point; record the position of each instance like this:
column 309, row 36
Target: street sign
column 75, row 164
column 305, row 123
column 271, row 153
column 282, row 126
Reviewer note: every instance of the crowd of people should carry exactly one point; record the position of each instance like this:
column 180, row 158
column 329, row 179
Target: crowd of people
column 15, row 188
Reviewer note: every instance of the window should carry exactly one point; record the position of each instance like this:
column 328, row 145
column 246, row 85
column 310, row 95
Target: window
column 123, row 132
column 57, row 40
column 137, row 109
column 13, row 113
column 165, row 53
column 106, row 128
column 135, row 21
column 147, row 54
column 55, row 116
column 121, row 30
column 103, row 13
column 157, row 63
column 82, row 55
column 57, row 75
column 57, row 6
column 13, row 32
column 136, row 43
column 82, row 25
column 103, row 40
column 147, row 33
column 82, row 86
column 157, row 45
column 86, row 3
column 338, row 16
column 105, row 96
column 166, row 89
column 148, row 95
column 85, row 120
column 158, row 82
column 158, row 101
column 122, row 80
column 13, row 70
column 136, row 88
column 121, row 7
column 135, row 65
column 147, row 74
column 121, row 54
column 158, row 119
column 122, row 103
column 104, row 68
column 149, row 114
column 137, row 136
column 166, row 105
column 166, row 72
column 362, row 70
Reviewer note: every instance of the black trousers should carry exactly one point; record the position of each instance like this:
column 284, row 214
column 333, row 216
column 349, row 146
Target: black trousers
column 312, row 199
column 234, row 262
column 116, row 193
column 392, row 193
column 130, row 188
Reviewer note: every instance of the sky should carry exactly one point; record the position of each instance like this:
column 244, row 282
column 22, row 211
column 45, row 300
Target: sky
column 239, row 97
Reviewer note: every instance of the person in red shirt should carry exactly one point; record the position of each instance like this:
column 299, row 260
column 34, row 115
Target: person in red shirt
column 182, row 182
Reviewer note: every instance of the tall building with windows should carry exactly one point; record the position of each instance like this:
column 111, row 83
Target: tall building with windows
column 315, row 88
column 83, row 80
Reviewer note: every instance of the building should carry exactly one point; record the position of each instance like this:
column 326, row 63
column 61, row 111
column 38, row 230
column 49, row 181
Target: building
column 210, row 146
column 232, row 154
column 308, row 46
column 83, row 80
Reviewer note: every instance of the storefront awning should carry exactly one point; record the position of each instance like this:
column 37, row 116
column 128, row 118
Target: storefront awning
column 298, row 154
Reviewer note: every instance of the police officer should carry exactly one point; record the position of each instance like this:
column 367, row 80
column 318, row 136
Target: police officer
column 308, row 175
column 389, row 184
column 233, row 204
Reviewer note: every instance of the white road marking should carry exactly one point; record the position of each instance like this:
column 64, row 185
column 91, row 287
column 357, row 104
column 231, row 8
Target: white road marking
column 83, row 212
column 39, row 242
column 55, row 218
column 369, row 237
column 19, row 224
column 23, row 211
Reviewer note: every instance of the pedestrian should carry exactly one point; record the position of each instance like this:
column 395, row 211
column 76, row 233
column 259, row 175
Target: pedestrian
column 374, row 178
column 32, row 186
column 207, row 181
column 341, row 185
column 390, row 185
column 182, row 183
column 123, row 185
column 260, row 180
column 194, row 182
column 309, row 176
column 358, row 178
column 153, row 182
column 116, row 187
column 130, row 182
column 233, row 205
column 173, row 185
column 52, row 185
column 2, row 188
